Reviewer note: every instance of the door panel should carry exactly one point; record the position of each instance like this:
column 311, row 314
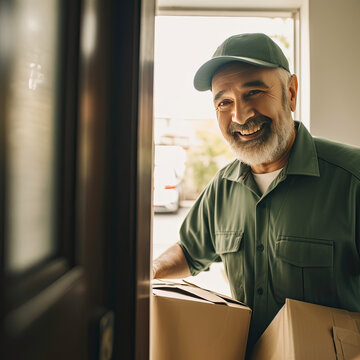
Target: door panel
column 51, row 324
column 44, row 311
column 89, row 224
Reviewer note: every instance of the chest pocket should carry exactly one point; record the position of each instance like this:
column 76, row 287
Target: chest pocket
column 303, row 270
column 229, row 245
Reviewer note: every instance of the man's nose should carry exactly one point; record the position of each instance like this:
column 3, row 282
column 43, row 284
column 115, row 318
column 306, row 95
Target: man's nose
column 242, row 112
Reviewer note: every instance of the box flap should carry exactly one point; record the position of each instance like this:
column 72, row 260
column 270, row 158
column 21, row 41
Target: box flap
column 189, row 289
column 225, row 297
column 347, row 344
column 177, row 295
column 344, row 319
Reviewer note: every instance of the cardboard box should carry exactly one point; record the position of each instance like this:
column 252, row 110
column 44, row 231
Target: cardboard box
column 188, row 322
column 306, row 331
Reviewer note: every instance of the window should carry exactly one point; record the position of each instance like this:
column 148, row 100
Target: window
column 32, row 130
column 39, row 148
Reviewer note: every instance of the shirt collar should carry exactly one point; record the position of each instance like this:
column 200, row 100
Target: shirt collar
column 303, row 158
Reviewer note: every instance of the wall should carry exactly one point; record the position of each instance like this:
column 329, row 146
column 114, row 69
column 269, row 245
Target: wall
column 334, row 69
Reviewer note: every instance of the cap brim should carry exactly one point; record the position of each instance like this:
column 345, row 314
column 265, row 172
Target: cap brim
column 203, row 77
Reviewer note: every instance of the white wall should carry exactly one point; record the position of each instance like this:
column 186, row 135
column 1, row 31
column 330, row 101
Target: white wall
column 334, row 29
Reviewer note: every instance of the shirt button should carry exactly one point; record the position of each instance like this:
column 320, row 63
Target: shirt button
column 260, row 247
column 260, row 291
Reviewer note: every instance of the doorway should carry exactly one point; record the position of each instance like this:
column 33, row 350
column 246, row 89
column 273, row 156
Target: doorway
column 185, row 118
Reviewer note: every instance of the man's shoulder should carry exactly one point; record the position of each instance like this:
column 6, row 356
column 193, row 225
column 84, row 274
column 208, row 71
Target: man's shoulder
column 338, row 154
column 228, row 169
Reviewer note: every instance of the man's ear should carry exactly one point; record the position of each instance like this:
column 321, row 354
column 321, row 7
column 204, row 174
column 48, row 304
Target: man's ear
column 293, row 88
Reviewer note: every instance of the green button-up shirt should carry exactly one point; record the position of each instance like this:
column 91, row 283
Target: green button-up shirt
column 299, row 240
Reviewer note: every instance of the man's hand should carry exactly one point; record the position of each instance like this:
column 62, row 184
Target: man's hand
column 171, row 264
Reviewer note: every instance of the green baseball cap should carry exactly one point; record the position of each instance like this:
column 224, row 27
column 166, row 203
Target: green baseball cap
column 257, row 49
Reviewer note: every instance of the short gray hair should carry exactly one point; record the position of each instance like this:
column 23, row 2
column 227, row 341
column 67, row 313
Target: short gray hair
column 285, row 78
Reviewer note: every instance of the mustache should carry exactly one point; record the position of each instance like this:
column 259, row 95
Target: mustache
column 250, row 123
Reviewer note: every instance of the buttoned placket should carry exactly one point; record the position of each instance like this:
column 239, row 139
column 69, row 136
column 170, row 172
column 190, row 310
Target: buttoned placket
column 261, row 245
column 261, row 259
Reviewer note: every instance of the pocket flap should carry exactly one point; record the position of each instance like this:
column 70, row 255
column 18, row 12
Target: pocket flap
column 305, row 252
column 228, row 241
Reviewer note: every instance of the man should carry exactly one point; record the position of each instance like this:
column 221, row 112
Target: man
column 284, row 217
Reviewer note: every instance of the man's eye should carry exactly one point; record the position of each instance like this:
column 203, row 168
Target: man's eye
column 253, row 92
column 224, row 103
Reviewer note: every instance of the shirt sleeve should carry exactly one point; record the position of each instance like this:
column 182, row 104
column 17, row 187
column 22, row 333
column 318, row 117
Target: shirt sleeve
column 196, row 239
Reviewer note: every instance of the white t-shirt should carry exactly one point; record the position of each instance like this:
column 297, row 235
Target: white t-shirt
column 264, row 180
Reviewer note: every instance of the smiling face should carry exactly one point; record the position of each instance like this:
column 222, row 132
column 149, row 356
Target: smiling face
column 253, row 107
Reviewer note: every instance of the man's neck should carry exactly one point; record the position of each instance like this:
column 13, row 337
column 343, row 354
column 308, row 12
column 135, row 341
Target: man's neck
column 278, row 163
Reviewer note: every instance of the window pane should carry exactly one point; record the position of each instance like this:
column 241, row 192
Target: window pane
column 31, row 135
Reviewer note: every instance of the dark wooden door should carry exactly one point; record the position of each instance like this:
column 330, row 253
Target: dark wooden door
column 75, row 178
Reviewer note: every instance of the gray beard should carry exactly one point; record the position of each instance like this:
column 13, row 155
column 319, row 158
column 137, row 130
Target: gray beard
column 256, row 153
